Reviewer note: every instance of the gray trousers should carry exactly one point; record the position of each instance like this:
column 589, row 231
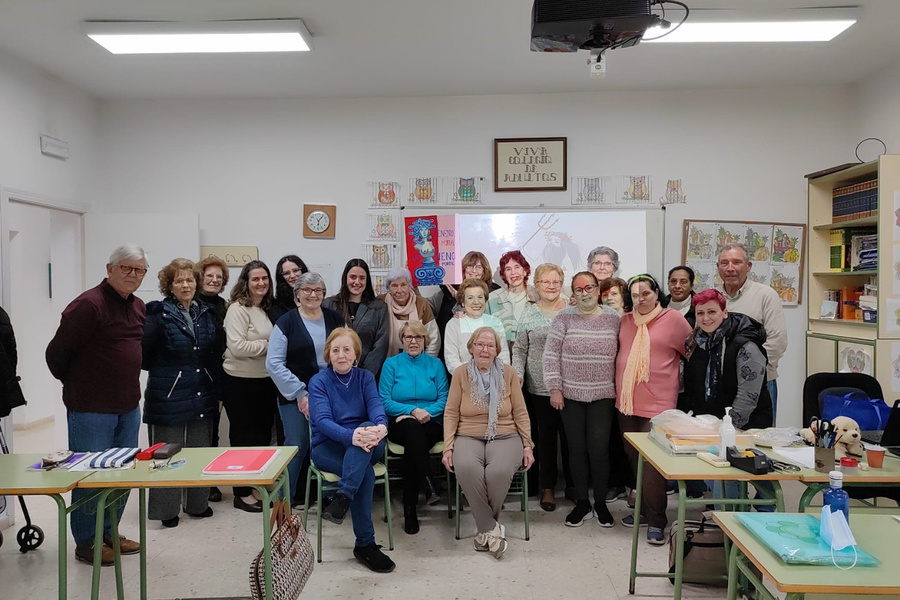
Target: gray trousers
column 484, row 471
column 166, row 503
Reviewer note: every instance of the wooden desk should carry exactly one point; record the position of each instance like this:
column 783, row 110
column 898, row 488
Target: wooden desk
column 114, row 484
column 17, row 480
column 690, row 468
column 876, row 534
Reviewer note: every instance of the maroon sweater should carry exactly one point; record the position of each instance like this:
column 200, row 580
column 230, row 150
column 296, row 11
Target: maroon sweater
column 96, row 351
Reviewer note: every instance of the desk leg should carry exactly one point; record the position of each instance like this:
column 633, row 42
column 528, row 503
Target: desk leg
column 732, row 572
column 142, row 532
column 62, row 550
column 638, row 490
column 679, row 539
column 282, row 484
column 809, row 493
column 98, row 548
column 117, row 550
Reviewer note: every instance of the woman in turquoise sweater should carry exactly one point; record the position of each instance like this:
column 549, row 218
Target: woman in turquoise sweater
column 414, row 391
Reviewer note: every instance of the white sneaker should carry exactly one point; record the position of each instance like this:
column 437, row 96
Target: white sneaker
column 497, row 543
column 481, row 542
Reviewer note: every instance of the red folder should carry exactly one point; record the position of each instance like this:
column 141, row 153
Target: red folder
column 241, row 462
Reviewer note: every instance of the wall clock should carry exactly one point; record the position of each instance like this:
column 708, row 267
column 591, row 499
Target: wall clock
column 319, row 221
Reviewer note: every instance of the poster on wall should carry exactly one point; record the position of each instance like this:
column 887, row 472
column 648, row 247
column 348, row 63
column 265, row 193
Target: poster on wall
column 775, row 251
column 895, row 367
column 422, row 250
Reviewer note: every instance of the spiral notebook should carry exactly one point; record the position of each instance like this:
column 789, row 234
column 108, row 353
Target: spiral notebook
column 241, row 461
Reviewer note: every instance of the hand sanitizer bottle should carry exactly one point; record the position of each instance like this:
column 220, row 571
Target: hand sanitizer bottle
column 727, row 435
column 835, row 498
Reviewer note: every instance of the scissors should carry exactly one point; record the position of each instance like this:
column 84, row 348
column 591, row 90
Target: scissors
column 782, row 467
column 824, row 432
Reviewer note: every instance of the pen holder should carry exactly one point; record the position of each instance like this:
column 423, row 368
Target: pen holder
column 824, row 459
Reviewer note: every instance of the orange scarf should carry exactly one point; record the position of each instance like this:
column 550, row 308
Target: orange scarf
column 637, row 368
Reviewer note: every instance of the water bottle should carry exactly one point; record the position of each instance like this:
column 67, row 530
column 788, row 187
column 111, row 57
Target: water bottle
column 727, row 435
column 835, row 498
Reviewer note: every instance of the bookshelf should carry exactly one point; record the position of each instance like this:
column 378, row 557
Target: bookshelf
column 831, row 341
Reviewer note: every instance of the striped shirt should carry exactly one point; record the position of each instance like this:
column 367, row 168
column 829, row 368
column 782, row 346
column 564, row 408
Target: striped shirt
column 580, row 356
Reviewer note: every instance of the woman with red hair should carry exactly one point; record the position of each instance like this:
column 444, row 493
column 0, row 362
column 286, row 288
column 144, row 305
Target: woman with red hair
column 508, row 303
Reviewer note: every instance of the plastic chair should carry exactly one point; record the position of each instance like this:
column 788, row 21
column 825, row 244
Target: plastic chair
column 324, row 478
column 816, row 383
column 518, row 487
column 394, row 453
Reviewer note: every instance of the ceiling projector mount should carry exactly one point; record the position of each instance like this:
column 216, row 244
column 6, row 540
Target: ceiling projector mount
column 596, row 25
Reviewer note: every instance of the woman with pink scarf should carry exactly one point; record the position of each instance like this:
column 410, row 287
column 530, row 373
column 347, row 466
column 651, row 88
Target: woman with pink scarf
column 403, row 306
column 651, row 344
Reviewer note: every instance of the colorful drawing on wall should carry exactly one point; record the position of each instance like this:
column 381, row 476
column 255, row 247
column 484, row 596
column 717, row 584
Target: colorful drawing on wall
column 381, row 259
column 775, row 249
column 785, row 280
column 421, row 250
column 423, row 190
column 760, row 273
column 892, row 316
column 700, row 241
column 895, row 273
column 856, row 358
column 704, row 275
column 592, row 190
column 896, row 227
column 382, row 227
column 895, row 367
column 674, row 193
column 786, row 244
column 385, row 194
column 729, row 233
column 466, row 190
column 379, row 283
column 635, row 190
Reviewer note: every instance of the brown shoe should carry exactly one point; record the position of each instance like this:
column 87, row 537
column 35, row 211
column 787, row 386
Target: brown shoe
column 548, row 500
column 126, row 546
column 85, row 553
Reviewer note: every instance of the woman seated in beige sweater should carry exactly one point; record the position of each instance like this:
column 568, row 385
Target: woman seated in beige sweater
column 486, row 435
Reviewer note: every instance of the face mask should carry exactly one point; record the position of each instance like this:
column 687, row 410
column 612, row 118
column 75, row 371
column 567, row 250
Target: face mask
column 835, row 531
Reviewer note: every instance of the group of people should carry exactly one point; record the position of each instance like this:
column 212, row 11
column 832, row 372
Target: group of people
column 505, row 374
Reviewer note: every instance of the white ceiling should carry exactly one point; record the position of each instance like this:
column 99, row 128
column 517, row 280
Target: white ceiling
column 421, row 48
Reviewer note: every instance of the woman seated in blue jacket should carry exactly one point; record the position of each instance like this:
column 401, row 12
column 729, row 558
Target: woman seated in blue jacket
column 348, row 431
column 414, row 389
column 180, row 402
column 296, row 353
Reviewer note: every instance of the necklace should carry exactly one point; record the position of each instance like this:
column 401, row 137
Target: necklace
column 349, row 379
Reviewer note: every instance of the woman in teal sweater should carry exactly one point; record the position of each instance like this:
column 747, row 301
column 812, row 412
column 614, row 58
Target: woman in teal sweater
column 414, row 389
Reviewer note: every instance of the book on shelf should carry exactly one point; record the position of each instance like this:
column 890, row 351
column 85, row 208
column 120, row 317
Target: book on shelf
column 854, row 201
column 844, row 256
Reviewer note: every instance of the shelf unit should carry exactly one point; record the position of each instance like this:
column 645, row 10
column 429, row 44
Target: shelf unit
column 827, row 339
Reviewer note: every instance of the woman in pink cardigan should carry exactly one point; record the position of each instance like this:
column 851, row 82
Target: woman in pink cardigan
column 651, row 344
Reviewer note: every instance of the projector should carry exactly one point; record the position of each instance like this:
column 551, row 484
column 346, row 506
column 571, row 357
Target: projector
column 598, row 25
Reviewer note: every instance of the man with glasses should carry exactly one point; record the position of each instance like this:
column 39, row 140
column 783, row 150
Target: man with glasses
column 96, row 354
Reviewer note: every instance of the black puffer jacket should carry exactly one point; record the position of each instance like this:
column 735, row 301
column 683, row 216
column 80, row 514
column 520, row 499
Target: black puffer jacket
column 181, row 361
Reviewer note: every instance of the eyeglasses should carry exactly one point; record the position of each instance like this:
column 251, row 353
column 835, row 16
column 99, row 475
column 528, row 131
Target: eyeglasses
column 602, row 263
column 476, row 268
column 548, row 283
column 481, row 346
column 126, row 270
column 212, row 277
column 413, row 338
column 588, row 289
column 162, row 466
column 287, row 274
column 313, row 291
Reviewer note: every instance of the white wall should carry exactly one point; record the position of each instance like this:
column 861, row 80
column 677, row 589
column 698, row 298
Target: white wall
column 876, row 111
column 248, row 166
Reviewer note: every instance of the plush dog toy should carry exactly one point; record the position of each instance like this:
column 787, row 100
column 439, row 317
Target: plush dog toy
column 847, row 437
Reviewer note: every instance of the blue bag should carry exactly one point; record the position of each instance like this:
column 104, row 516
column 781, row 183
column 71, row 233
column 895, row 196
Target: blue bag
column 870, row 413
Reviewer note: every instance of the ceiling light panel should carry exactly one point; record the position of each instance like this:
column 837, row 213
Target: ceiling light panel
column 281, row 35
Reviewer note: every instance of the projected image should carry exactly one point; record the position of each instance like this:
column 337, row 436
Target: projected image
column 564, row 239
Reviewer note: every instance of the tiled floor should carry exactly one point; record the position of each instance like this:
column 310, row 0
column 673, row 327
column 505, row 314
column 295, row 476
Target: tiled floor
column 211, row 557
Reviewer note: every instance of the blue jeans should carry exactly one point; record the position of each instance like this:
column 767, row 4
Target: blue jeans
column 733, row 490
column 357, row 480
column 296, row 433
column 772, row 386
column 92, row 432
